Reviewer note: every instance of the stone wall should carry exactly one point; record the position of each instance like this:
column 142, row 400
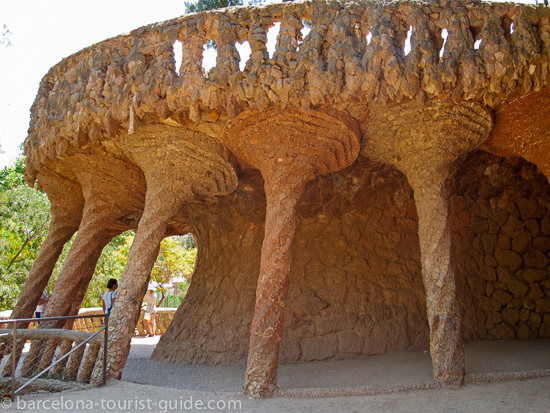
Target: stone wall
column 356, row 285
column 500, row 220
column 212, row 325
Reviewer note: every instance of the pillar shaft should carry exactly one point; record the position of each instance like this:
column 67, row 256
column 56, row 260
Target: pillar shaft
column 267, row 325
column 176, row 165
column 113, row 192
column 434, row 234
column 290, row 147
column 132, row 289
column 78, row 269
column 424, row 141
column 41, row 272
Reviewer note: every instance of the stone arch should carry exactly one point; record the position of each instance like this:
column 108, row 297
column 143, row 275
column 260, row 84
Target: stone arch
column 354, row 289
column 212, row 325
column 500, row 231
column 356, row 284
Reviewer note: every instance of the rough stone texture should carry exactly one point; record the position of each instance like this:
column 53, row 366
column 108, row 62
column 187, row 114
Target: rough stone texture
column 66, row 212
column 365, row 236
column 498, row 209
column 407, row 138
column 103, row 217
column 355, row 280
column 518, row 129
column 214, row 319
column 196, row 166
column 289, row 147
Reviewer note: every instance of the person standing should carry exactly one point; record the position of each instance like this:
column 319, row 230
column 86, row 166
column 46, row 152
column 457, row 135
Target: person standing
column 41, row 307
column 109, row 297
column 150, row 311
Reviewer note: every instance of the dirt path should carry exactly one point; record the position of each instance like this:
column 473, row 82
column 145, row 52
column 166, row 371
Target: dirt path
column 158, row 387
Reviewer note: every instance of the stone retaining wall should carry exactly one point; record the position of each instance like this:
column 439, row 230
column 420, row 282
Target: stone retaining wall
column 500, row 220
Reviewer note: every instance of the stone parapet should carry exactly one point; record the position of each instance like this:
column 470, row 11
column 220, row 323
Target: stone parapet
column 354, row 54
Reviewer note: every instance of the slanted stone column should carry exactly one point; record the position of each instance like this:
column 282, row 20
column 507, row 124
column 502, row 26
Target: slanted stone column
column 290, row 148
column 105, row 216
column 66, row 212
column 423, row 141
column 178, row 165
column 79, row 266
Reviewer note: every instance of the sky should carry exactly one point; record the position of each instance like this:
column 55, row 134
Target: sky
column 44, row 32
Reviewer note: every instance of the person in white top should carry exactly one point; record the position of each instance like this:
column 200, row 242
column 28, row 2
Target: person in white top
column 41, row 307
column 150, row 311
column 110, row 296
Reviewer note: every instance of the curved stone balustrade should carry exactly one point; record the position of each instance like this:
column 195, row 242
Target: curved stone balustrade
column 49, row 343
column 105, row 90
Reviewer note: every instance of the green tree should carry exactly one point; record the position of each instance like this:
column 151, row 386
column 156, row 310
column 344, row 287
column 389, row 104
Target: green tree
column 203, row 5
column 5, row 35
column 12, row 176
column 173, row 259
column 188, row 241
column 24, row 220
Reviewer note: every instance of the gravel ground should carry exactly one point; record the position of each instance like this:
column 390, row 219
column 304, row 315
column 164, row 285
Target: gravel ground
column 518, row 371
column 405, row 368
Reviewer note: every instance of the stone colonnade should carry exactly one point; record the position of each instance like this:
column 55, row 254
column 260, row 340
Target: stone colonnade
column 67, row 206
column 103, row 218
column 140, row 144
column 276, row 144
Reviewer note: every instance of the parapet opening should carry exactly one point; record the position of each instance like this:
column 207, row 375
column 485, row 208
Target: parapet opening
column 272, row 35
column 476, row 31
column 369, row 37
column 209, row 55
column 444, row 35
column 177, row 47
column 306, row 28
column 407, row 48
column 508, row 27
column 244, row 53
column 148, row 59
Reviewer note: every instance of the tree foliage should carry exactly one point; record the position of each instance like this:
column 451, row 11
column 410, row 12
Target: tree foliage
column 203, row 5
column 12, row 176
column 24, row 220
column 174, row 259
column 5, row 36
